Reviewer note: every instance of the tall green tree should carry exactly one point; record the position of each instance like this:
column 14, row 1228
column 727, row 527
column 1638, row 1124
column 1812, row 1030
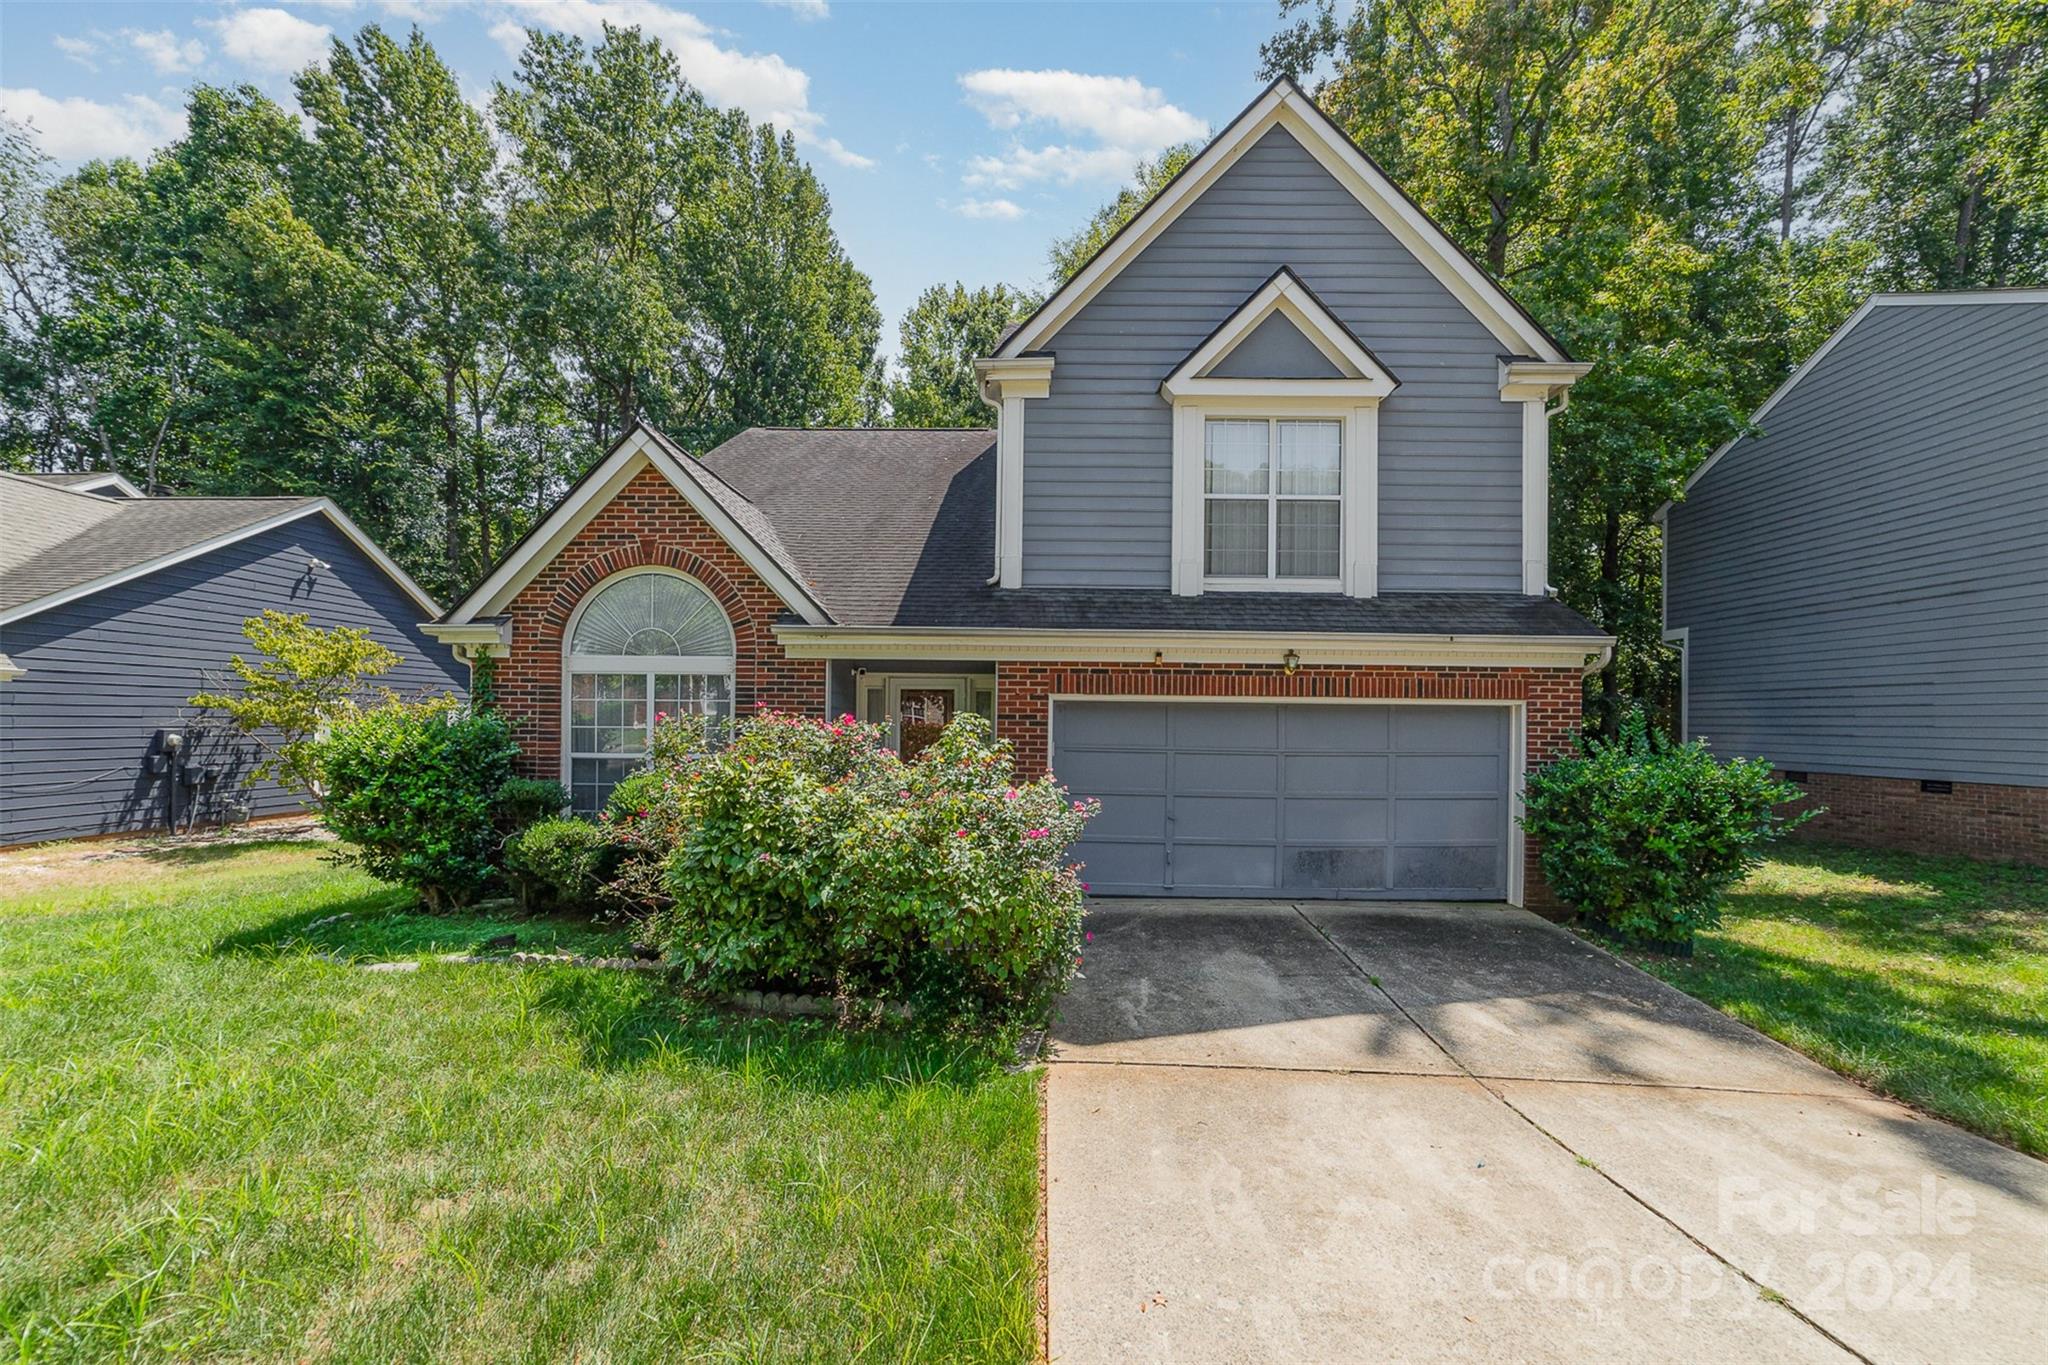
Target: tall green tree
column 943, row 334
column 1068, row 254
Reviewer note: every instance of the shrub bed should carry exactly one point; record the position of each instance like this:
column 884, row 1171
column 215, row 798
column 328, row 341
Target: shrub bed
column 1647, row 835
column 805, row 856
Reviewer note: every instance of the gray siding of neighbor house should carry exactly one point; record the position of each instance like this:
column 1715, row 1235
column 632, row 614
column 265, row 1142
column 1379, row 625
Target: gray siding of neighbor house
column 107, row 671
column 1098, row 453
column 1866, row 583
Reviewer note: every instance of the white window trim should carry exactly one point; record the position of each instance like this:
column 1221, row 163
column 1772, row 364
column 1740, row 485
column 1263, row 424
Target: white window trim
column 1359, row 483
column 649, row 666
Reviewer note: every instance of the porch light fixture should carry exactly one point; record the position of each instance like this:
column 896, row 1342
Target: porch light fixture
column 1290, row 663
column 1158, row 657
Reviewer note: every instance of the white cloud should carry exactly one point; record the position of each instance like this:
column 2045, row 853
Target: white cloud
column 271, row 40
column 164, row 50
column 806, row 10
column 77, row 129
column 762, row 83
column 1125, row 120
column 80, row 50
column 988, row 208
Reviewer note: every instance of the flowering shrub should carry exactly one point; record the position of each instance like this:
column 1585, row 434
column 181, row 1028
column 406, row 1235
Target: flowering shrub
column 808, row 856
column 1648, row 834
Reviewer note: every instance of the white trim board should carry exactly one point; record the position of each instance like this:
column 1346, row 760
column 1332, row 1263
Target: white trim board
column 1516, row 846
column 1285, row 104
column 1285, row 295
column 323, row 506
column 1929, row 300
column 639, row 449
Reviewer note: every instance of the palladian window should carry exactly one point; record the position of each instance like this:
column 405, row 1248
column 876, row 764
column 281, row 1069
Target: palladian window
column 644, row 644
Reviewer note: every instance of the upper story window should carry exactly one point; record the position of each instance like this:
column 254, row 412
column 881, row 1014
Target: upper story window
column 644, row 644
column 1273, row 501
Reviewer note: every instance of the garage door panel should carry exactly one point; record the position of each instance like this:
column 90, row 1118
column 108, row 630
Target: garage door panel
column 1330, row 820
column 1202, row 771
column 1226, row 817
column 1336, row 869
column 1338, row 729
column 1097, row 772
column 1448, row 729
column 1123, row 867
column 1198, row 726
column 1447, row 774
column 1444, row 870
column 1304, row 799
column 1116, row 725
column 1445, row 819
column 1130, row 817
column 1335, row 774
column 1244, row 868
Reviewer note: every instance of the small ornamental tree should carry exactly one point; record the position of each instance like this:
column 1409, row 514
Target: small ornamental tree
column 304, row 680
column 1648, row 834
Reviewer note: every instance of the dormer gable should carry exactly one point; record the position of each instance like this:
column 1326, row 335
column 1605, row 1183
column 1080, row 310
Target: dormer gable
column 1282, row 341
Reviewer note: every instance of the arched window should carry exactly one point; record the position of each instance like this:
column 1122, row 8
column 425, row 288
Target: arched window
column 645, row 643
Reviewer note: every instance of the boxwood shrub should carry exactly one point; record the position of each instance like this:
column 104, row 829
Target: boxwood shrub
column 1647, row 835
column 412, row 787
column 559, row 863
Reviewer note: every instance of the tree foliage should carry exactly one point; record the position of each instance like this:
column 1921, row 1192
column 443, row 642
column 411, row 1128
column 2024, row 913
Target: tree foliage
column 949, row 328
column 303, row 681
column 1068, row 254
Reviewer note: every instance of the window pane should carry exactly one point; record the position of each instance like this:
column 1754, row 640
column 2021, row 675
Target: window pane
column 653, row 614
column 591, row 781
column 1309, row 457
column 1308, row 545
column 1235, row 534
column 1236, row 457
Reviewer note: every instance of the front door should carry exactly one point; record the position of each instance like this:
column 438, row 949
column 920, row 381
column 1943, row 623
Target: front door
column 921, row 713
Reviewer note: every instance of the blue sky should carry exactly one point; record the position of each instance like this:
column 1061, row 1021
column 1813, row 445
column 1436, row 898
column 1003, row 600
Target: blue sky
column 956, row 140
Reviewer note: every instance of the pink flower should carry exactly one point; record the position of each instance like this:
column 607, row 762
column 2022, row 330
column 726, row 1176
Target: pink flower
column 959, row 834
column 1036, row 833
column 1084, row 887
column 1010, row 795
column 1089, row 937
column 660, row 716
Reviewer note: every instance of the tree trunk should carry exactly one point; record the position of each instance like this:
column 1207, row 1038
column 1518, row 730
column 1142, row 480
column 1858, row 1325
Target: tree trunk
column 1791, row 176
column 452, row 493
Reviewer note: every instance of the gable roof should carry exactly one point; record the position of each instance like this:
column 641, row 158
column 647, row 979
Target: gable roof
column 1284, row 298
column 1285, row 104
column 58, row 545
column 1952, row 299
column 742, row 525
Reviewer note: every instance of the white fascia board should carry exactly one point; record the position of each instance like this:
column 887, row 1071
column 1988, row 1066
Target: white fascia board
column 1522, row 380
column 1185, row 646
column 1364, row 377
column 1960, row 296
column 1286, row 105
column 10, row 670
column 100, row 483
column 636, row 452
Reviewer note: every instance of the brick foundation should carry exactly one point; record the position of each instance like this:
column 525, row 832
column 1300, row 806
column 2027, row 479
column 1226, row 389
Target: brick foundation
column 1984, row 820
column 1551, row 699
column 647, row 523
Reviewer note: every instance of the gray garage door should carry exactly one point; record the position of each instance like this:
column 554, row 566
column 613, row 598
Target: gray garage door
column 1237, row 799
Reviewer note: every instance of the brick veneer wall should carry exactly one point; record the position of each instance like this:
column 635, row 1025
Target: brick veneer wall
column 647, row 523
column 1552, row 700
column 1985, row 820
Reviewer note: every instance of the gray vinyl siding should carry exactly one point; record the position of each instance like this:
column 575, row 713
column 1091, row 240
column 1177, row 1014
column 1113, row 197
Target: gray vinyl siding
column 107, row 671
column 1276, row 349
column 1098, row 453
column 1865, row 584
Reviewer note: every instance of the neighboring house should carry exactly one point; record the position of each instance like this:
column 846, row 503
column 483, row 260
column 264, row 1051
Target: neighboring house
column 114, row 608
column 1859, row 587
column 1256, row 553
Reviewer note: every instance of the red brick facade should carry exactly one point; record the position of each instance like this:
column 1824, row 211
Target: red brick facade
column 647, row 523
column 1551, row 700
column 1974, row 819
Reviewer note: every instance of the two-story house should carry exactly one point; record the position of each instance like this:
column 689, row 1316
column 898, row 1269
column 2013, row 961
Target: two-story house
column 1256, row 552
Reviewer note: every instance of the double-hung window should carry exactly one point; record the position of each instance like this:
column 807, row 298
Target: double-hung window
column 645, row 644
column 1273, row 501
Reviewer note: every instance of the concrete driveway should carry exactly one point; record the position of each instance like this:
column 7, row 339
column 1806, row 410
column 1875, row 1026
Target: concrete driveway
column 1406, row 1132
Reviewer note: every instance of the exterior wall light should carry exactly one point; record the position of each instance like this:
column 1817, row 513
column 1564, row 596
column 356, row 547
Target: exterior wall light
column 1290, row 663
column 1158, row 657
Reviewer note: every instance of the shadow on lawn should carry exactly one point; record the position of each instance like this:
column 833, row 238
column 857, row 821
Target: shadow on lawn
column 626, row 1021
column 1942, row 907
column 388, row 924
column 172, row 854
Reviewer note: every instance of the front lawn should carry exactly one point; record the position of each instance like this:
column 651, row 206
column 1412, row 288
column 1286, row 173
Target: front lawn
column 1926, row 978
column 218, row 1140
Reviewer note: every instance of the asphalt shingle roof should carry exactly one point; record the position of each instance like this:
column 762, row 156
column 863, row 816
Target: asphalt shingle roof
column 53, row 540
column 897, row 528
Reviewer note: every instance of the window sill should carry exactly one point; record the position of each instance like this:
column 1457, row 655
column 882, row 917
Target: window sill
column 1321, row 585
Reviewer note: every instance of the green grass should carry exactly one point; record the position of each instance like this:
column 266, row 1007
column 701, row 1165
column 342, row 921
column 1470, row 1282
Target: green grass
column 1926, row 978
column 216, row 1142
